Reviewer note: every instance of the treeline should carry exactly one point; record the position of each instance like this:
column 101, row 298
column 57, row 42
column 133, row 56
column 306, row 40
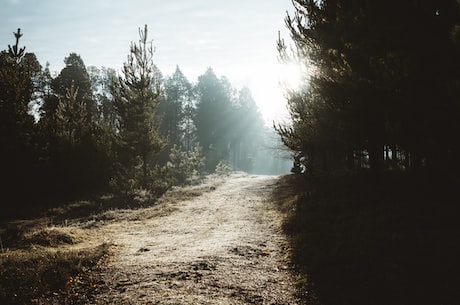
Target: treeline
column 88, row 130
column 382, row 86
column 375, row 130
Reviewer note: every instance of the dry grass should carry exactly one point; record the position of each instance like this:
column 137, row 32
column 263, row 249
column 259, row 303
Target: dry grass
column 48, row 259
column 41, row 274
column 177, row 194
column 54, row 236
column 39, row 260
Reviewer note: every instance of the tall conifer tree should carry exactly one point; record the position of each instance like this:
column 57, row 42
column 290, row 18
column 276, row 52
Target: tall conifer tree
column 176, row 121
column 17, row 154
column 136, row 98
column 381, row 79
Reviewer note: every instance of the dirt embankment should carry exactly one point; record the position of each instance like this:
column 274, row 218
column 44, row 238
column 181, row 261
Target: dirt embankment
column 222, row 247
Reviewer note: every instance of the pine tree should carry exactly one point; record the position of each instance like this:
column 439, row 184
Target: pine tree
column 18, row 155
column 381, row 79
column 212, row 118
column 71, row 117
column 174, row 110
column 245, row 131
column 136, row 98
column 75, row 72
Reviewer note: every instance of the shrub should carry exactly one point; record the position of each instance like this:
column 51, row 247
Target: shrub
column 223, row 168
column 183, row 167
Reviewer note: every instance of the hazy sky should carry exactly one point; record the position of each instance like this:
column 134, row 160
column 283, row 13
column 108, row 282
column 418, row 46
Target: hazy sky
column 236, row 38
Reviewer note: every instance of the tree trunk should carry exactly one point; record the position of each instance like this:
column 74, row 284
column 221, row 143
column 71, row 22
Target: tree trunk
column 376, row 158
column 350, row 160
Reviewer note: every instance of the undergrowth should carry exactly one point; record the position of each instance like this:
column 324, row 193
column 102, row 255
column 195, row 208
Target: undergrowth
column 360, row 240
column 41, row 259
column 40, row 275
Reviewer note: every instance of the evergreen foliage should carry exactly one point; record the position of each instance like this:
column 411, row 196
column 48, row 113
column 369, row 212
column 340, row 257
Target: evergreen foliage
column 87, row 129
column 223, row 168
column 18, row 153
column 228, row 123
column 71, row 115
column 76, row 147
column 185, row 166
column 246, row 132
column 75, row 72
column 136, row 98
column 212, row 118
column 381, row 89
column 176, row 123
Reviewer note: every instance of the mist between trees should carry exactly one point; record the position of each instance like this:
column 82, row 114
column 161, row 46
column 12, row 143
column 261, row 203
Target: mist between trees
column 89, row 130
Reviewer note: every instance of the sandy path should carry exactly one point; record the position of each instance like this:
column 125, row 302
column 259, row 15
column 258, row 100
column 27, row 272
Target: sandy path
column 223, row 247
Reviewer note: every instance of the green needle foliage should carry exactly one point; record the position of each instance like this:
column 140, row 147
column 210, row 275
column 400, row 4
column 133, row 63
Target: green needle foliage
column 383, row 85
column 136, row 98
column 71, row 116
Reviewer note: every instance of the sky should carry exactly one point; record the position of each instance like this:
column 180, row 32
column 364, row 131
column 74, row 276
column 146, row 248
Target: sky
column 236, row 38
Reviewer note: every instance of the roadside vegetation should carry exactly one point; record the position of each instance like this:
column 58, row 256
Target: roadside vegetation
column 40, row 268
column 371, row 205
column 360, row 241
column 86, row 131
column 57, row 257
column 374, row 134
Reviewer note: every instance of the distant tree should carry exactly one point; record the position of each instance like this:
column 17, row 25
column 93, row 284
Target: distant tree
column 55, row 92
column 106, row 128
column 76, row 143
column 75, row 72
column 71, row 117
column 246, row 131
column 228, row 121
column 189, row 128
column 101, row 79
column 136, row 98
column 43, row 91
column 212, row 118
column 176, row 121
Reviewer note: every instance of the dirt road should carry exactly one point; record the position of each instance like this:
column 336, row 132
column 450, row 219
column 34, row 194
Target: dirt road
column 222, row 244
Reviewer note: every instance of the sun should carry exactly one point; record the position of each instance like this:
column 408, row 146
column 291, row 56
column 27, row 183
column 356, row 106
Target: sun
column 269, row 88
column 290, row 76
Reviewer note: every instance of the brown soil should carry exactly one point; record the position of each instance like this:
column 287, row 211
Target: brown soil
column 223, row 247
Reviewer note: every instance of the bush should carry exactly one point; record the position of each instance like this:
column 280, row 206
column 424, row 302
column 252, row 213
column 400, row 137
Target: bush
column 223, row 168
column 183, row 166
